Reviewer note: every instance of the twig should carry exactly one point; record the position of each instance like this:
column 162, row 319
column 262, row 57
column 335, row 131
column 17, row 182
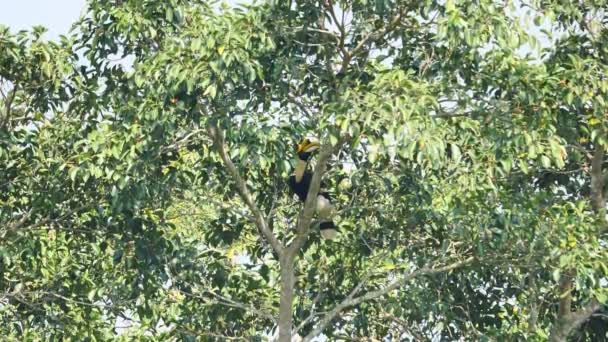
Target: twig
column 313, row 309
column 176, row 144
column 340, row 25
column 221, row 300
column 19, row 224
column 394, row 22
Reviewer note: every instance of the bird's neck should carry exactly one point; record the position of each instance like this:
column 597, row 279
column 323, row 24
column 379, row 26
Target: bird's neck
column 300, row 169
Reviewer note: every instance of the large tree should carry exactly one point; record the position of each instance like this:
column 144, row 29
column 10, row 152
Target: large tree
column 145, row 161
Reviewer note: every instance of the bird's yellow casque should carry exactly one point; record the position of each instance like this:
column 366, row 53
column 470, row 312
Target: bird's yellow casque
column 308, row 144
column 299, row 183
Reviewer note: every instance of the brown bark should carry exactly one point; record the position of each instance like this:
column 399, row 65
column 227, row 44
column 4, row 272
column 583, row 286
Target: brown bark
column 566, row 324
column 532, row 320
column 286, row 301
column 565, row 300
column 597, row 182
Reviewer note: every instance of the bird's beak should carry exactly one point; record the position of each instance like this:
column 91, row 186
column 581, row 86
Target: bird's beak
column 304, row 147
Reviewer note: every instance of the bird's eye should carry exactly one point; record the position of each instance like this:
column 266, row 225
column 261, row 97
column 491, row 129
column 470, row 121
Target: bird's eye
column 306, row 141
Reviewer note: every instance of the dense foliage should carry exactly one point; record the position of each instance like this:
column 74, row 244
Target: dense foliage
column 144, row 160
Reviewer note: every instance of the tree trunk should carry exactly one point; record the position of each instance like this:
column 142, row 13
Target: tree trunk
column 560, row 332
column 565, row 325
column 567, row 321
column 286, row 302
column 565, row 301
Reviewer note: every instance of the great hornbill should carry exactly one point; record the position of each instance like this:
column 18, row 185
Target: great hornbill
column 299, row 183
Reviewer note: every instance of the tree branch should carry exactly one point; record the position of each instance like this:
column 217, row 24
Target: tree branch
column 597, row 183
column 340, row 25
column 180, row 142
column 260, row 221
column 221, row 300
column 561, row 330
column 566, row 319
column 8, row 106
column 392, row 25
column 533, row 318
column 350, row 301
column 565, row 295
column 21, row 222
column 313, row 309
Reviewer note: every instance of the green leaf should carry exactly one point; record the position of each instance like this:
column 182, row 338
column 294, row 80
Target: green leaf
column 545, row 162
column 556, row 274
column 73, row 173
column 211, row 91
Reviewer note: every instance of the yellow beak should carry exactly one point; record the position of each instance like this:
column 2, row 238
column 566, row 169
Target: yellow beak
column 306, row 145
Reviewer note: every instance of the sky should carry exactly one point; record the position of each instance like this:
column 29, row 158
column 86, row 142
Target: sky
column 56, row 15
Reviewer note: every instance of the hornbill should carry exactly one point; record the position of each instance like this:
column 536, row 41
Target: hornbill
column 299, row 183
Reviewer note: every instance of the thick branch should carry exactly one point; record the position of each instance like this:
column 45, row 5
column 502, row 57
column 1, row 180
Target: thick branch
column 350, row 301
column 572, row 321
column 567, row 320
column 218, row 139
column 597, row 183
column 286, row 298
column 565, row 295
column 533, row 319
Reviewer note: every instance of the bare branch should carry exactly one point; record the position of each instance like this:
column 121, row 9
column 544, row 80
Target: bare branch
column 533, row 318
column 403, row 325
column 260, row 221
column 350, row 301
column 299, row 104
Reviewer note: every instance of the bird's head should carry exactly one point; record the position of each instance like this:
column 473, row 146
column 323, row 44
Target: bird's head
column 308, row 145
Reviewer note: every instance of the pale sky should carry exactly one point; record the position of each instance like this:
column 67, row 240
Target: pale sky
column 56, row 15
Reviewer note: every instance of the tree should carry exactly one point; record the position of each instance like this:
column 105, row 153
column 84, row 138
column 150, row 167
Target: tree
column 468, row 177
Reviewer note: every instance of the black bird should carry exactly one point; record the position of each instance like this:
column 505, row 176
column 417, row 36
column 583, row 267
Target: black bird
column 299, row 183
